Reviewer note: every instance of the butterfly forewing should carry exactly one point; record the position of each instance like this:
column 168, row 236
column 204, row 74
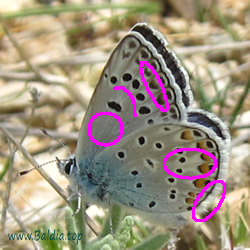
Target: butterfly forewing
column 122, row 69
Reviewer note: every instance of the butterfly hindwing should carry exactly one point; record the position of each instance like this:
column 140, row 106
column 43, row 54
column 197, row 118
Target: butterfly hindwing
column 134, row 176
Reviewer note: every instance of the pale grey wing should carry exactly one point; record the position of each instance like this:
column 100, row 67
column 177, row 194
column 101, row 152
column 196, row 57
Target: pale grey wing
column 141, row 44
column 137, row 179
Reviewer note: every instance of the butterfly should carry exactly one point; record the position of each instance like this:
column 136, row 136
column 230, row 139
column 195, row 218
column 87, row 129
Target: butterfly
column 130, row 172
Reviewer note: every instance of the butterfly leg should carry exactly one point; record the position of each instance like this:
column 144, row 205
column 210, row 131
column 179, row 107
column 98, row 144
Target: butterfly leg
column 79, row 200
column 174, row 239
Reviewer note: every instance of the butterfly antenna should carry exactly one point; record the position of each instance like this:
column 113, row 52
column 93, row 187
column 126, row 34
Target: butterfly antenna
column 39, row 166
column 24, row 172
column 55, row 139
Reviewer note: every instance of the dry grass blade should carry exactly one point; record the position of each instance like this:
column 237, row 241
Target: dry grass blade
column 58, row 189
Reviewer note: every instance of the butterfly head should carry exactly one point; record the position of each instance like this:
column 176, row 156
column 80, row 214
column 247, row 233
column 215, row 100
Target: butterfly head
column 68, row 166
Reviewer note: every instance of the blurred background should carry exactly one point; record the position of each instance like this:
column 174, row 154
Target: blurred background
column 51, row 56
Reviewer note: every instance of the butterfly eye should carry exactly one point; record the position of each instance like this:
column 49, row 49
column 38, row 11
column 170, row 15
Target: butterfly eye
column 68, row 167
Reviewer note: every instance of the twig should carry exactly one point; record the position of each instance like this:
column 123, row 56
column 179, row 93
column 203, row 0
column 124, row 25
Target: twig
column 212, row 48
column 53, row 79
column 17, row 218
column 74, row 59
column 57, row 188
column 6, row 197
column 20, row 51
column 40, row 76
column 18, row 131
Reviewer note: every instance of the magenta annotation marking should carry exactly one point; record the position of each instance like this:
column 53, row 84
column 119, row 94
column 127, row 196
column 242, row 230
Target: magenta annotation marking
column 130, row 96
column 103, row 143
column 170, row 153
column 189, row 177
column 202, row 193
column 148, row 89
column 134, row 105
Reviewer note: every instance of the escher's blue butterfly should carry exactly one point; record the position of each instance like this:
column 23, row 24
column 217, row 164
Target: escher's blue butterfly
column 131, row 173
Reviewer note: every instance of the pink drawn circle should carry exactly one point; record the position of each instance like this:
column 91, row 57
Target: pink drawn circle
column 105, row 144
column 148, row 89
column 132, row 98
column 202, row 193
column 190, row 177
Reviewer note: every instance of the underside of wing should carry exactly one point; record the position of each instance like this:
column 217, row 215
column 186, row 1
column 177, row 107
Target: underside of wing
column 142, row 43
